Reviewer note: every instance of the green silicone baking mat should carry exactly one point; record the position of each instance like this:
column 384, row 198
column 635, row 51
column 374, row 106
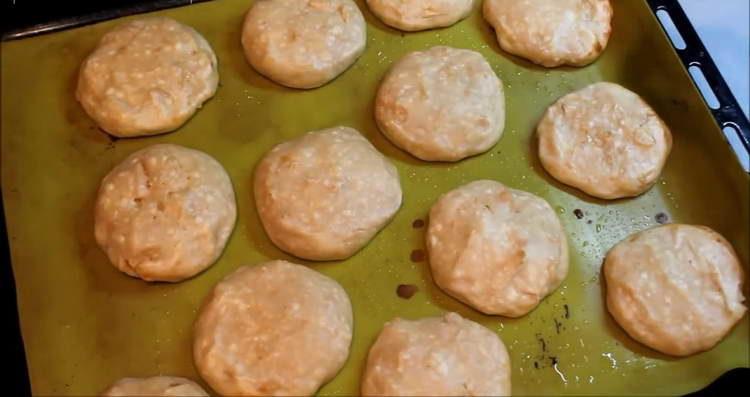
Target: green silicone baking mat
column 85, row 324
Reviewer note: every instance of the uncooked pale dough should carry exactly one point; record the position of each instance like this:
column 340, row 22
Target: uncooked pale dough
column 551, row 32
column 497, row 249
column 675, row 288
column 303, row 43
column 417, row 15
column 443, row 104
column 165, row 213
column 324, row 195
column 273, row 329
column 155, row 386
column 604, row 140
column 437, row 356
column 147, row 76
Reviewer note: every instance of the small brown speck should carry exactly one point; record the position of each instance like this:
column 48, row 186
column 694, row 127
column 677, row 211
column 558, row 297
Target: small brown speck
column 662, row 218
column 588, row 222
column 542, row 342
column 417, row 255
column 417, row 224
column 567, row 310
column 578, row 213
column 406, row 291
column 536, row 365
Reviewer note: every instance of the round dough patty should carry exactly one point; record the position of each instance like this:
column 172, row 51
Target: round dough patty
column 155, row 386
column 165, row 213
column 496, row 249
column 324, row 195
column 417, row 15
column 273, row 329
column 604, row 140
column 303, row 43
column 675, row 288
column 443, row 104
column 147, row 76
column 437, row 356
column 551, row 32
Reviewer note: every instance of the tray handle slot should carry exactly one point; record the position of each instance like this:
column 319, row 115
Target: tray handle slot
column 705, row 75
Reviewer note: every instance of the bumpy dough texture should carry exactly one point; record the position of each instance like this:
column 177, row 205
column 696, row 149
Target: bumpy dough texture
column 551, row 32
column 604, row 140
column 675, row 288
column 165, row 213
column 497, row 249
column 417, row 15
column 324, row 195
column 273, row 329
column 442, row 104
column 437, row 356
column 303, row 43
column 147, row 76
column 155, row 386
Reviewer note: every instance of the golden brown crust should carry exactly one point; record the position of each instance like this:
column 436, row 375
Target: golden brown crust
column 497, row 249
column 552, row 32
column 324, row 195
column 276, row 328
column 604, row 140
column 303, row 43
column 147, row 76
column 675, row 288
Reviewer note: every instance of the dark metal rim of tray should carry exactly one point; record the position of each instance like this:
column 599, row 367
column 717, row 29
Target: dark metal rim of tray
column 727, row 115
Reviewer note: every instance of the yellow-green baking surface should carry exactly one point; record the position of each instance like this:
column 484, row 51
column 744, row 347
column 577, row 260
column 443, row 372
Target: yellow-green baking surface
column 85, row 324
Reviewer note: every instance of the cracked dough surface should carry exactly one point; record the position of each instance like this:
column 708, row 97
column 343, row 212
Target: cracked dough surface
column 604, row 140
column 417, row 15
column 437, row 356
column 273, row 329
column 324, row 196
column 497, row 249
column 171, row 386
column 442, row 104
column 675, row 288
column 303, row 43
column 551, row 32
column 147, row 76
column 165, row 213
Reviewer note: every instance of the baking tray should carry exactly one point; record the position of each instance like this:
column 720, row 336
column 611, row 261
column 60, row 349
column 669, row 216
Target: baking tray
column 84, row 324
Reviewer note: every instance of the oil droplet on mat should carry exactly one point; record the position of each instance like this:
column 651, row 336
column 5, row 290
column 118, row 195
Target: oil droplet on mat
column 557, row 369
column 613, row 362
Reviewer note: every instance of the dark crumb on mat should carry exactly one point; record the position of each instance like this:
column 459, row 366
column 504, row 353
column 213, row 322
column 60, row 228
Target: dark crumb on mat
column 578, row 213
column 567, row 310
column 417, row 224
column 406, row 291
column 542, row 342
column 417, row 255
column 588, row 221
column 662, row 218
